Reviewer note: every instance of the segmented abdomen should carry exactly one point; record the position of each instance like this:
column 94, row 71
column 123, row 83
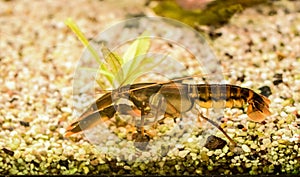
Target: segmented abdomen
column 229, row 96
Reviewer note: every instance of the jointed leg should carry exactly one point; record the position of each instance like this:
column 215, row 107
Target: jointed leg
column 217, row 125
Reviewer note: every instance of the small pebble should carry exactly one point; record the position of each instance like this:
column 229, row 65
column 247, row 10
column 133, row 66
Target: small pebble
column 218, row 152
column 277, row 79
column 183, row 153
column 243, row 134
column 275, row 143
column 214, row 142
column 265, row 90
column 290, row 109
column 251, row 125
column 9, row 152
column 246, row 148
column 225, row 149
column 240, row 126
column 25, row 124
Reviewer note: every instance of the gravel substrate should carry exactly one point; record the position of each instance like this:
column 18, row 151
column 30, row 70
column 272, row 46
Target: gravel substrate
column 258, row 49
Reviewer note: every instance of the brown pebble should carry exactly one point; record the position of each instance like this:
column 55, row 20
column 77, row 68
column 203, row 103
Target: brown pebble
column 141, row 141
column 24, row 123
column 214, row 142
column 277, row 79
column 240, row 126
column 9, row 152
column 265, row 90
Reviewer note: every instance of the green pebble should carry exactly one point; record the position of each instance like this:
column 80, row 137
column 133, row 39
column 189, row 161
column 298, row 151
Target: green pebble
column 138, row 172
column 243, row 134
column 164, row 129
column 275, row 157
column 73, row 170
column 143, row 166
column 281, row 146
column 253, row 172
column 85, row 170
column 281, row 141
column 13, row 171
column 290, row 118
column 204, row 156
column 177, row 167
column 199, row 171
column 210, row 168
column 20, row 160
column 265, row 169
column 103, row 167
column 281, row 121
column 248, row 165
column 196, row 162
column 44, row 137
column 52, row 128
column 288, row 151
column 288, row 102
column 229, row 154
column 15, row 145
column 271, row 168
column 251, row 125
column 20, row 173
column 240, row 169
column 227, row 172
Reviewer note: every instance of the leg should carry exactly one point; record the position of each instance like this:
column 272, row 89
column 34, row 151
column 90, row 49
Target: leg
column 216, row 125
column 141, row 127
column 140, row 138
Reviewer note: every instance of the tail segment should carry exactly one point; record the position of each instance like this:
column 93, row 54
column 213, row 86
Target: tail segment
column 258, row 108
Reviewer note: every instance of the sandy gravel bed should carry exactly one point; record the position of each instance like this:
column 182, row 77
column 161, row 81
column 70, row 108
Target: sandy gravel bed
column 38, row 55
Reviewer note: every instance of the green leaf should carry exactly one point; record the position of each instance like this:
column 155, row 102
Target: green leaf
column 139, row 47
column 113, row 64
column 72, row 25
column 136, row 50
column 145, row 64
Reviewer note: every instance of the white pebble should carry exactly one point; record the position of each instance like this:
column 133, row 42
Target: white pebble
column 43, row 117
column 10, row 85
column 183, row 153
column 275, row 143
column 290, row 109
column 190, row 140
column 278, row 100
column 210, row 153
column 66, row 109
column 225, row 149
column 247, row 84
column 266, row 141
column 283, row 114
column 264, row 76
column 218, row 152
column 246, row 148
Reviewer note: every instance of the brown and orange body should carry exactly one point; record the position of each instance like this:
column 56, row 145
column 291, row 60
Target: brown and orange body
column 169, row 100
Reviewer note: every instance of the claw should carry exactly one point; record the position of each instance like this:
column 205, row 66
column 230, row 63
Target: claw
column 90, row 120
